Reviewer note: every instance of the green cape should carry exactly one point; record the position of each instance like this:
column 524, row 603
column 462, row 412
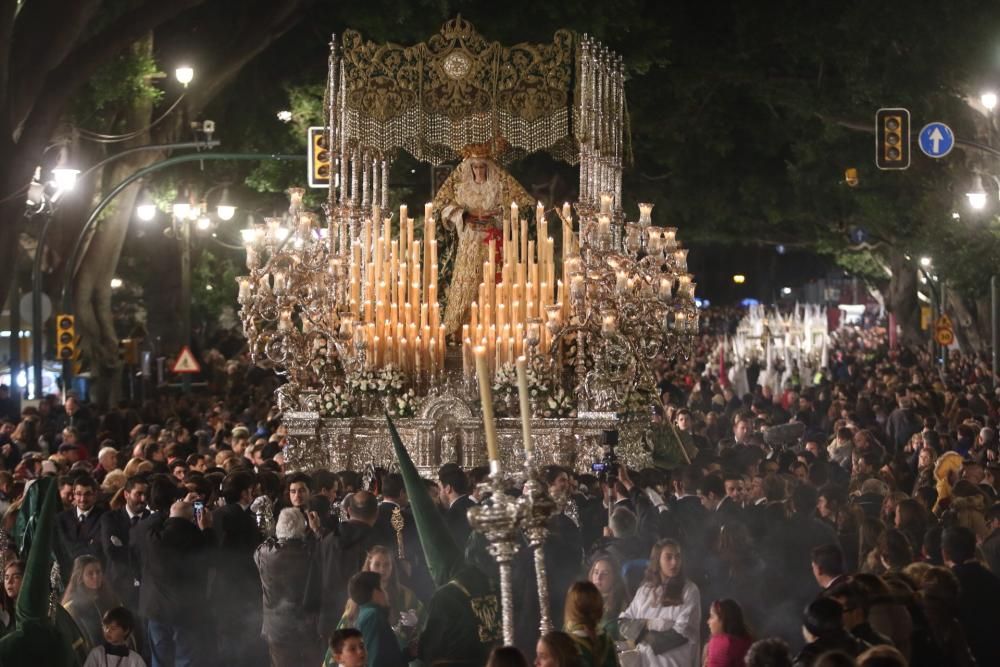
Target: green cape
column 36, row 640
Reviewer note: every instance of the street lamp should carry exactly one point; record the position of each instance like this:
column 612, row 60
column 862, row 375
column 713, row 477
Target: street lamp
column 225, row 209
column 988, row 100
column 65, row 178
column 184, row 75
column 739, row 278
column 925, row 262
column 116, row 283
column 786, row 291
column 204, row 224
column 146, row 209
column 181, row 208
column 977, row 197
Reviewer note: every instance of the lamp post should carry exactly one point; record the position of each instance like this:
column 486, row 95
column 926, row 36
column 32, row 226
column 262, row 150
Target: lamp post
column 36, row 269
column 65, row 298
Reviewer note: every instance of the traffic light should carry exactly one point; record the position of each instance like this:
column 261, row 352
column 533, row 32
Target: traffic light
column 66, row 338
column 320, row 158
column 892, row 138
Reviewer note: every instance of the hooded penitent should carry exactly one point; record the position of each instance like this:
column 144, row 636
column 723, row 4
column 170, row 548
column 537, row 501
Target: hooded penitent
column 463, row 617
column 36, row 640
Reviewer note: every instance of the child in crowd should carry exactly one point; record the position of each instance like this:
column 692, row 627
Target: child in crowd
column 348, row 648
column 114, row 651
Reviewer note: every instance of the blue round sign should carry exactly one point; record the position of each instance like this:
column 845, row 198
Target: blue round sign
column 936, row 139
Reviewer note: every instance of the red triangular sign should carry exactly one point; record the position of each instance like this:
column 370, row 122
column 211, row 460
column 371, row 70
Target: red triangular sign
column 186, row 363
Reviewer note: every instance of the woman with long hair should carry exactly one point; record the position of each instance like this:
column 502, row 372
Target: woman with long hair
column 584, row 613
column 730, row 640
column 605, row 574
column 406, row 613
column 13, row 576
column 665, row 615
column 557, row 649
column 88, row 596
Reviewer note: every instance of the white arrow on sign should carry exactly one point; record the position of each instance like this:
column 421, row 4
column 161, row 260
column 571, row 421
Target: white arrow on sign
column 936, row 138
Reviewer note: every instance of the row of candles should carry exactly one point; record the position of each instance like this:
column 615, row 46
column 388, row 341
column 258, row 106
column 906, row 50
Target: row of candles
column 513, row 303
column 393, row 295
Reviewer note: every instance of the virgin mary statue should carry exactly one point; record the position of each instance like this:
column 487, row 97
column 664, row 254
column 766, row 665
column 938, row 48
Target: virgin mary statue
column 473, row 200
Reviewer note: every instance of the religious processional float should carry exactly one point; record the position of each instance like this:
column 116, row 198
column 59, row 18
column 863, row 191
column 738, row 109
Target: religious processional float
column 579, row 298
column 788, row 347
column 555, row 312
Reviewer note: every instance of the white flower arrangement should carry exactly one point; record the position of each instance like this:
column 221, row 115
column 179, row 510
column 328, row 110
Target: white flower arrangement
column 335, row 402
column 538, row 386
column 505, row 381
column 404, row 405
column 560, row 404
column 365, row 382
column 390, row 380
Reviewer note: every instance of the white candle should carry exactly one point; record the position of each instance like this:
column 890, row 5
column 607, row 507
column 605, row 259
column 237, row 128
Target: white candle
column 606, row 203
column 486, row 398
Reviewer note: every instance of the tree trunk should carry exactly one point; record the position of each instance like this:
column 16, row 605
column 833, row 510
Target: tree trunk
column 99, row 261
column 901, row 297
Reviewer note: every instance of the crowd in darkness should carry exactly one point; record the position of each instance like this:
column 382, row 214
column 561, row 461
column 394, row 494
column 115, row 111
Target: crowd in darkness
column 870, row 538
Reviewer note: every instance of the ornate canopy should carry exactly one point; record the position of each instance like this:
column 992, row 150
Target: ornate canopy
column 435, row 98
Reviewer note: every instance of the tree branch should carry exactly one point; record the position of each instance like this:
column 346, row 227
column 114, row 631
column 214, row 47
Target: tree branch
column 278, row 19
column 62, row 82
column 42, row 37
column 8, row 12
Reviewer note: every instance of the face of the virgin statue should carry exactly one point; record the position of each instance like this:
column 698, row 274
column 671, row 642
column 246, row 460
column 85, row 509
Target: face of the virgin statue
column 479, row 170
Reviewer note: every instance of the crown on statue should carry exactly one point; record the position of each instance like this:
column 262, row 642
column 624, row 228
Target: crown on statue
column 487, row 149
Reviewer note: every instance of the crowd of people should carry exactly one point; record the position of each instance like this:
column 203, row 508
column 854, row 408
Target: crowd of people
column 869, row 536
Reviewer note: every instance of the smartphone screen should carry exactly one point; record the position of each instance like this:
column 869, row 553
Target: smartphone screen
column 199, row 507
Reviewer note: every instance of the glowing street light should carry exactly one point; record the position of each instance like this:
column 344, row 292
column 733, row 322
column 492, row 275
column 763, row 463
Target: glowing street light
column 786, row 290
column 225, row 209
column 203, row 224
column 116, row 283
column 65, row 178
column 988, row 99
column 977, row 197
column 184, row 75
column 146, row 212
column 739, row 278
column 925, row 262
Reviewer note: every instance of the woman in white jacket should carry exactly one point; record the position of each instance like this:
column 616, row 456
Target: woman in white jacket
column 671, row 607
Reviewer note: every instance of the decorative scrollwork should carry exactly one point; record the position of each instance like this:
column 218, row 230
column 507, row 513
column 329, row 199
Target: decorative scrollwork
column 436, row 97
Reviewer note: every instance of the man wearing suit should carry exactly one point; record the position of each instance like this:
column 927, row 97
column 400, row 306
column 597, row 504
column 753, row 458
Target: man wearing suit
column 456, row 500
column 79, row 527
column 236, row 590
column 340, row 557
column 115, row 526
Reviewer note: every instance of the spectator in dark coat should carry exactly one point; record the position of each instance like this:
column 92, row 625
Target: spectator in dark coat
column 822, row 625
column 456, row 500
column 991, row 545
column 979, row 592
column 175, row 553
column 340, row 557
column 115, row 527
column 236, row 591
column 283, row 564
